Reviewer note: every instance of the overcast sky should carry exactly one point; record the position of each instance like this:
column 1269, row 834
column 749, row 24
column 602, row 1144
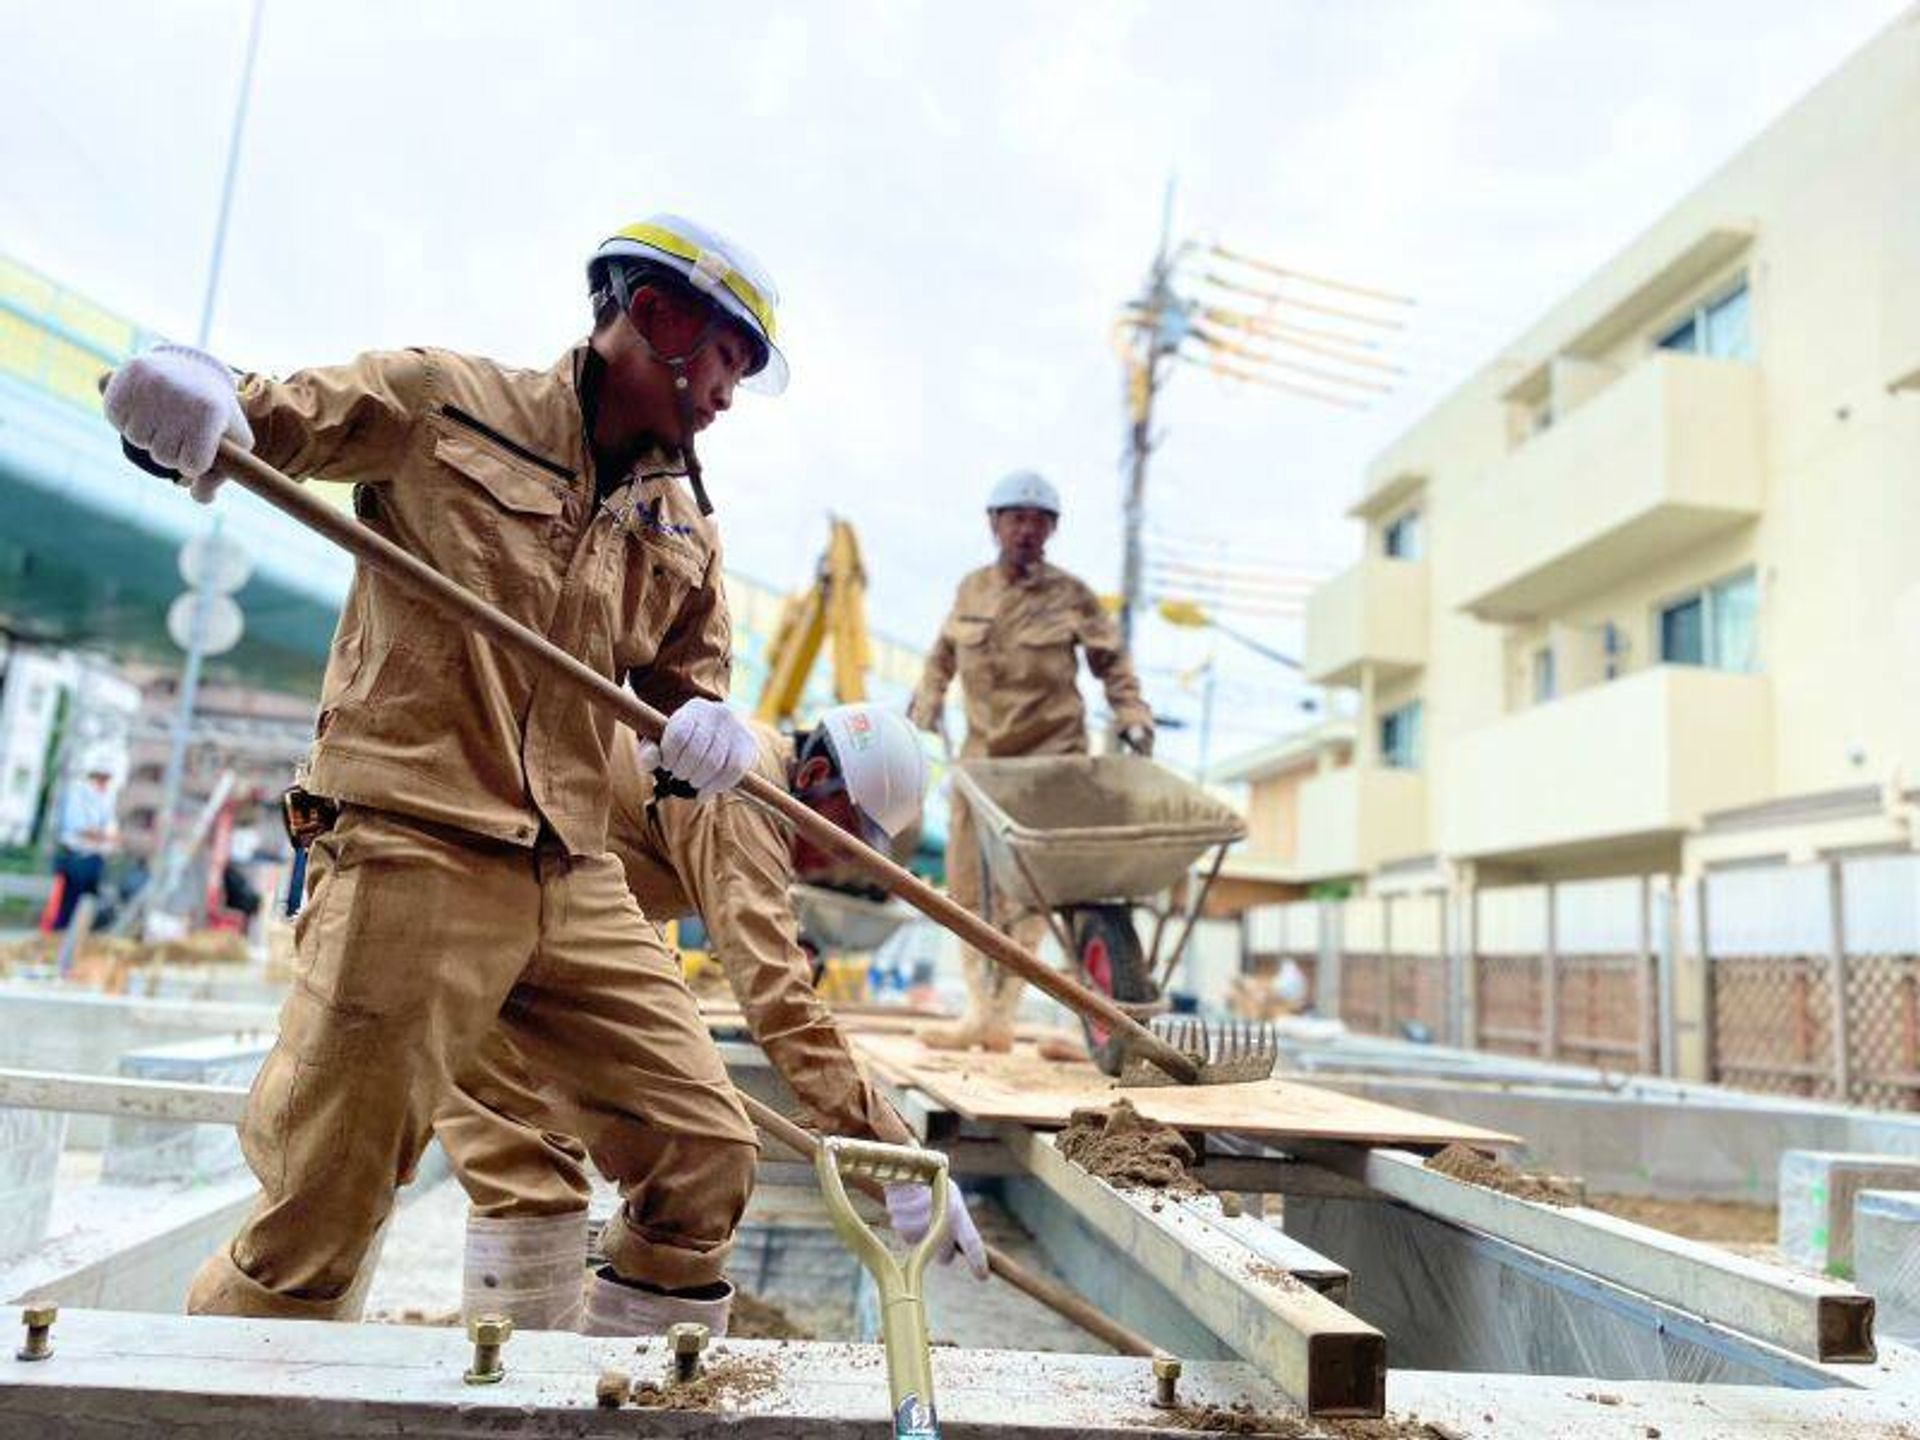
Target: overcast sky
column 955, row 200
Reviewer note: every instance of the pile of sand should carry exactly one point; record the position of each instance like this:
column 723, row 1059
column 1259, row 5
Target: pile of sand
column 1126, row 1149
column 1462, row 1162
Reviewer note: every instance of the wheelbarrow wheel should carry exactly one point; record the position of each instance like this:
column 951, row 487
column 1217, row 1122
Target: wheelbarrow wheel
column 1107, row 950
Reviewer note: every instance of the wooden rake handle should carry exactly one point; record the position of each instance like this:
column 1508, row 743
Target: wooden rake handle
column 375, row 551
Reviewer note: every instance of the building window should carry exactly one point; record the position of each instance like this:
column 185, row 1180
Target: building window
column 1720, row 328
column 1715, row 627
column 1545, row 686
column 1400, row 737
column 1401, row 539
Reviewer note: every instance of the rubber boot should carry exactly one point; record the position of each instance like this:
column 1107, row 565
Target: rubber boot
column 987, row 1022
column 616, row 1308
column 530, row 1268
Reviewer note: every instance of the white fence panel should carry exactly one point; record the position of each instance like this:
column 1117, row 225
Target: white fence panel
column 1883, row 905
column 1419, row 925
column 1266, row 929
column 1363, row 928
column 1302, row 931
column 1512, row 920
column 1778, row 910
column 1598, row 917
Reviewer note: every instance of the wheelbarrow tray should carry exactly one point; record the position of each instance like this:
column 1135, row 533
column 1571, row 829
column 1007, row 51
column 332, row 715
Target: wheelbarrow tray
column 1084, row 829
column 847, row 922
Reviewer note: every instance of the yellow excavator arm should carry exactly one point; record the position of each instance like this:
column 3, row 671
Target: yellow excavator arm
column 834, row 606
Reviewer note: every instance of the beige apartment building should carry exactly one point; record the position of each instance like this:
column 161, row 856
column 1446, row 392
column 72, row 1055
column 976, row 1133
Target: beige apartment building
column 1643, row 595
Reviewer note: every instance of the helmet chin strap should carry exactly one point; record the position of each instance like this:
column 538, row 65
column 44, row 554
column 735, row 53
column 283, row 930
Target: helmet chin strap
column 683, row 403
column 682, row 399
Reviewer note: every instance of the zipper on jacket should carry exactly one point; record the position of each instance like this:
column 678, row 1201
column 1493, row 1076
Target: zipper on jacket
column 480, row 427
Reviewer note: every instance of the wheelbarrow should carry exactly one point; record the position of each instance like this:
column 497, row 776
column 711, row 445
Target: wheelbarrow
column 1096, row 843
column 835, row 920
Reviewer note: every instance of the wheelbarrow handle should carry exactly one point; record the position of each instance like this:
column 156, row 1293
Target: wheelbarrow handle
column 411, row 573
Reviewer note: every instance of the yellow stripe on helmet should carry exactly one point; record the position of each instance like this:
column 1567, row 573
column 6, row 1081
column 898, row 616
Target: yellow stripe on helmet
column 742, row 289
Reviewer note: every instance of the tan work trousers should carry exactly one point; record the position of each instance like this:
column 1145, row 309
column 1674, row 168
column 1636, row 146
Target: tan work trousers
column 993, row 986
column 415, row 940
column 513, row 1150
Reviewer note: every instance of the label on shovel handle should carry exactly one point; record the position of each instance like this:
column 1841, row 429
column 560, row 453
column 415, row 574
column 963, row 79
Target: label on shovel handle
column 914, row 1421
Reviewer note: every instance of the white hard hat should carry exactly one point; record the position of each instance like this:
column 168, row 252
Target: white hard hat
column 100, row 761
column 1291, row 985
column 724, row 272
column 881, row 761
column 1025, row 490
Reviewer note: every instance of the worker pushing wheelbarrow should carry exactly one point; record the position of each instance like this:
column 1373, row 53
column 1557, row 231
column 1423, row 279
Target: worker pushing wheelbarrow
column 1092, row 844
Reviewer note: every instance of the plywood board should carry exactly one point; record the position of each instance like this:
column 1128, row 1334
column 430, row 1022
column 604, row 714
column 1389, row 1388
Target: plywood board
column 1023, row 1088
column 723, row 1013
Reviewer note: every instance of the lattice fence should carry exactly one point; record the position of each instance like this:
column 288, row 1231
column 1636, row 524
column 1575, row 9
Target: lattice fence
column 1364, row 997
column 1419, row 989
column 1766, row 936
column 1773, row 1019
column 1511, row 1014
column 1883, row 1030
column 1606, row 1011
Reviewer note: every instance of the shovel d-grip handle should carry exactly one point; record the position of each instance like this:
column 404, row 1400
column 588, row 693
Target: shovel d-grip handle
column 903, row 1311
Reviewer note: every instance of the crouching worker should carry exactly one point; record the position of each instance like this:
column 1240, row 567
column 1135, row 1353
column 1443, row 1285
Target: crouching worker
column 509, row 1130
column 463, row 879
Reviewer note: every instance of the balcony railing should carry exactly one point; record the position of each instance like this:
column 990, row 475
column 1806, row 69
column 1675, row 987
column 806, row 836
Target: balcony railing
column 1355, row 818
column 1374, row 613
column 1667, row 456
column 1639, row 757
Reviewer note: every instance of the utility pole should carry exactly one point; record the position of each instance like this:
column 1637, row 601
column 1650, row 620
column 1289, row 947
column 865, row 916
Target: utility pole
column 1251, row 321
column 1143, row 379
column 181, row 729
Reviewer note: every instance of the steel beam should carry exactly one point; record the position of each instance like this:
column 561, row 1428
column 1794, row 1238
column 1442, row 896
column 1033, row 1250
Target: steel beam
column 135, row 1099
column 1326, row 1359
column 1803, row 1315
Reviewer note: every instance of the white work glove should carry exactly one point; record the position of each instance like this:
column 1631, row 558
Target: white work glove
column 705, row 744
column 1138, row 739
column 910, row 1211
column 175, row 402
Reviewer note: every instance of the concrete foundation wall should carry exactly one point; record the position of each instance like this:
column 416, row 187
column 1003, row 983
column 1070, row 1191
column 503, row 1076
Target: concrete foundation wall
column 1817, row 1190
column 1886, row 1259
column 87, row 1033
column 1451, row 1300
column 30, row 1142
column 1695, row 1148
column 147, row 1152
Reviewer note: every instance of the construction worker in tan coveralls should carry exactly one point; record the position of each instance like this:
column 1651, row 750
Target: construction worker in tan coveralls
column 1013, row 637
column 733, row 864
column 467, row 876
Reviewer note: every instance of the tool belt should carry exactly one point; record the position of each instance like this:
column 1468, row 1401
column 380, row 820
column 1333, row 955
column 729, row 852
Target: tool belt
column 307, row 816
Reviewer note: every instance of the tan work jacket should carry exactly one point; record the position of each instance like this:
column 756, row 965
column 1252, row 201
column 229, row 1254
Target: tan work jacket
column 732, row 863
column 485, row 473
column 1013, row 645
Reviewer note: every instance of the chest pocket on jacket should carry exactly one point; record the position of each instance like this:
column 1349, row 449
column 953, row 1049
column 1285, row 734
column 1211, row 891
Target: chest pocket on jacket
column 972, row 638
column 493, row 521
column 1043, row 650
column 510, row 483
column 660, row 575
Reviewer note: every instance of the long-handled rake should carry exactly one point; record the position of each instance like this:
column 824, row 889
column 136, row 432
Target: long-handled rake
column 454, row 600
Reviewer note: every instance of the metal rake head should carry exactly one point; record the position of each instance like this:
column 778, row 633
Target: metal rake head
column 1230, row 1052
